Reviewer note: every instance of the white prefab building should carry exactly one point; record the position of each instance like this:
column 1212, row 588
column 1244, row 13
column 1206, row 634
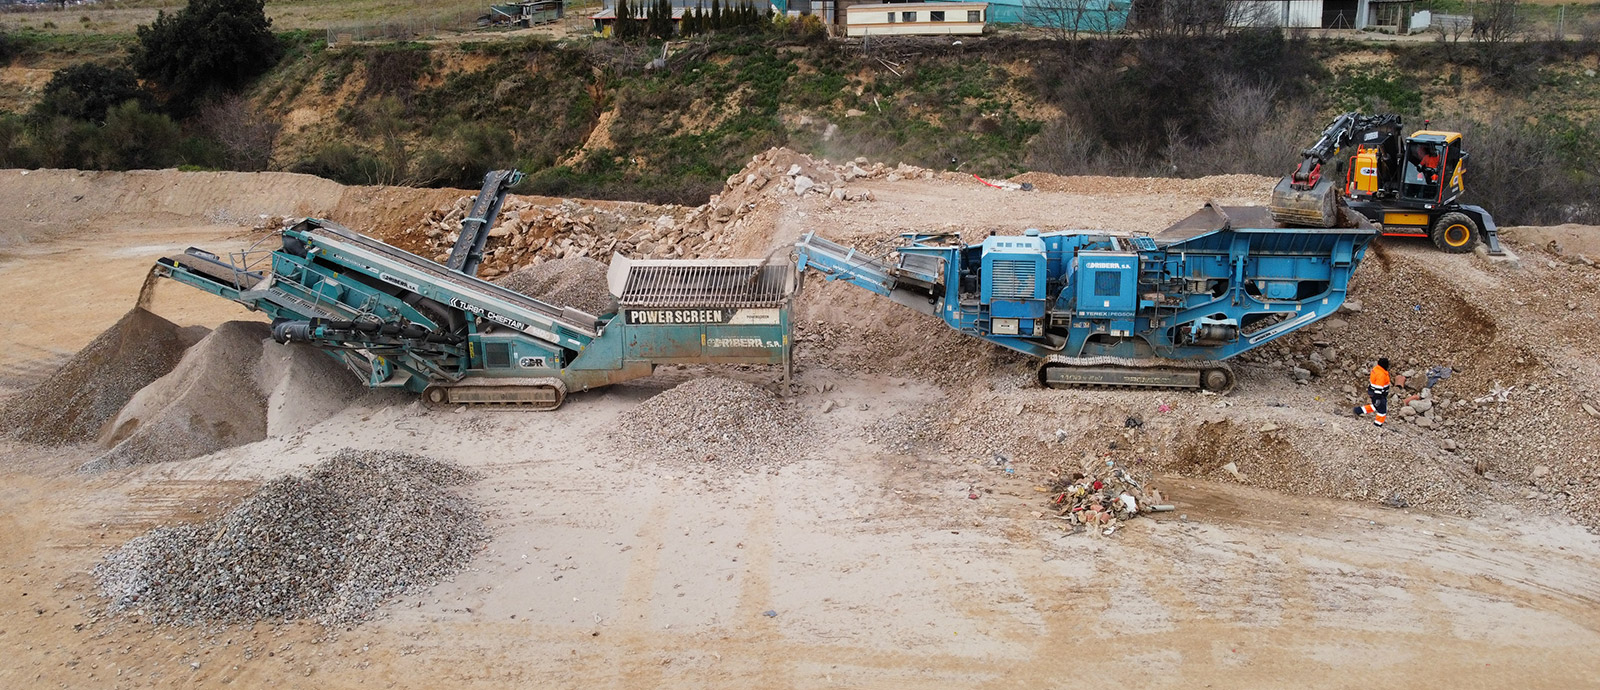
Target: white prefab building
column 1266, row 13
column 917, row 19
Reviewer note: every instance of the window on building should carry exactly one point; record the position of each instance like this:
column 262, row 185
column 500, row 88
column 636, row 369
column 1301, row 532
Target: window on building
column 908, row 17
column 935, row 16
column 891, row 17
column 974, row 16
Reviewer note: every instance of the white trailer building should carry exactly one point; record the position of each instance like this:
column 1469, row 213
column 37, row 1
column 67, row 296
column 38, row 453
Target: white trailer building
column 917, row 19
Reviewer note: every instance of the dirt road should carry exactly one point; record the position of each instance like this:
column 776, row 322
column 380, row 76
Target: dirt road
column 862, row 564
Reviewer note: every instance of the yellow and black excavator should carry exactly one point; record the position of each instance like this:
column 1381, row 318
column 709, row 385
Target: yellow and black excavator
column 1408, row 187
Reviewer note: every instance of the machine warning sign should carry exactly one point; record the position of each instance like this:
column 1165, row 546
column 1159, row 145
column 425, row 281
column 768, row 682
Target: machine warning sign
column 677, row 317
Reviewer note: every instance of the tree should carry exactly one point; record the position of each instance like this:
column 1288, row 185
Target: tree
column 207, row 48
column 1165, row 19
column 620, row 28
column 716, row 15
column 247, row 136
column 691, row 21
column 1449, row 33
column 85, row 91
column 1065, row 20
column 662, row 26
column 1497, row 21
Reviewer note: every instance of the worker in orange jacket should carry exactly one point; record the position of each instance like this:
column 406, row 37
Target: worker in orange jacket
column 1378, row 392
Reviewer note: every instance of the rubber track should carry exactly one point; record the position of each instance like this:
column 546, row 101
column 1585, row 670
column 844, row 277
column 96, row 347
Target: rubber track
column 542, row 382
column 1129, row 363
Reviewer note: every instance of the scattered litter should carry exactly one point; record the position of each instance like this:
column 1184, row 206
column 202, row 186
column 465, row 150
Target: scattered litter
column 1006, row 185
column 1498, row 394
column 1437, row 373
column 1102, row 503
column 770, row 613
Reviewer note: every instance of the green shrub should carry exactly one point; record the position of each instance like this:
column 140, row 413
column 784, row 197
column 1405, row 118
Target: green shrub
column 208, row 47
column 1367, row 89
column 134, row 139
column 86, row 91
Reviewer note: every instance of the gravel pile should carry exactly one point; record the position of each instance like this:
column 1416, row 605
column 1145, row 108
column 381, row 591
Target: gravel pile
column 208, row 402
column 331, row 546
column 75, row 402
column 578, row 282
column 718, row 423
column 304, row 387
column 942, row 354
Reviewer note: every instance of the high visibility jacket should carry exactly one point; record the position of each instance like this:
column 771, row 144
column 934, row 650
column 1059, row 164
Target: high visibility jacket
column 1379, row 380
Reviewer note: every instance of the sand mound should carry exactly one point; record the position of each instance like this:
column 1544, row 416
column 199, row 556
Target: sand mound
column 208, row 402
column 74, row 404
column 716, row 422
column 361, row 527
column 303, row 385
column 578, row 282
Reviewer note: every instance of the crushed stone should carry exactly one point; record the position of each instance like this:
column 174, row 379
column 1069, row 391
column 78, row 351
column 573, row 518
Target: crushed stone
column 578, row 282
column 76, row 402
column 304, row 386
column 330, row 546
column 208, row 402
column 716, row 423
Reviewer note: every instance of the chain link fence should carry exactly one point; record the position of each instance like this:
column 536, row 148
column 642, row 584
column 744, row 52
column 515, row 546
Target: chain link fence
column 406, row 30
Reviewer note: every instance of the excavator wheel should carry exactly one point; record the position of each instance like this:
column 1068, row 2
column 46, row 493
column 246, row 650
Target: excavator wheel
column 1455, row 233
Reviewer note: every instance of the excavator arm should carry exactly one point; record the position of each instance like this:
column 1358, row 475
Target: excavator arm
column 1309, row 196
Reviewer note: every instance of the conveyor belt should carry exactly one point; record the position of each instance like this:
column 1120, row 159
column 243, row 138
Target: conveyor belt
column 565, row 317
column 210, row 265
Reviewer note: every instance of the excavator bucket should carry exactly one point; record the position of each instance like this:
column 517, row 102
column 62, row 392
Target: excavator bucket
column 1316, row 207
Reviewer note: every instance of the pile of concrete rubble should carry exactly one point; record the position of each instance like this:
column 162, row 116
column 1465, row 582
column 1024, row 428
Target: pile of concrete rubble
column 528, row 233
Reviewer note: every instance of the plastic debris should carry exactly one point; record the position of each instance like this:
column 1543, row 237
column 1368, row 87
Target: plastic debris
column 1101, row 503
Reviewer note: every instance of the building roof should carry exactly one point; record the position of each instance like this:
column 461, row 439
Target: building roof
column 638, row 12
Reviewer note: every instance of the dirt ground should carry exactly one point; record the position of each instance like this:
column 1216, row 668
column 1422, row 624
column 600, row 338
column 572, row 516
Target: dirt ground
column 864, row 563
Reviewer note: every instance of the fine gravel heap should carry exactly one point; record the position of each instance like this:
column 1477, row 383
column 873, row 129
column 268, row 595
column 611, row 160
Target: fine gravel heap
column 718, row 423
column 331, row 546
column 76, row 402
column 208, row 402
column 577, row 282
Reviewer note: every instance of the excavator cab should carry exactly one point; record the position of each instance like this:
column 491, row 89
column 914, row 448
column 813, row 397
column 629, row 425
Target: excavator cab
column 1434, row 167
